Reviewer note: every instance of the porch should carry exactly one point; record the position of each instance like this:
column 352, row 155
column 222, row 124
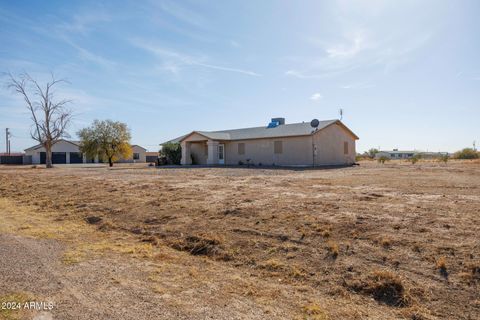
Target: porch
column 203, row 152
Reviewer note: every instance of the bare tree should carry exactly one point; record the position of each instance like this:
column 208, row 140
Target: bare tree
column 50, row 117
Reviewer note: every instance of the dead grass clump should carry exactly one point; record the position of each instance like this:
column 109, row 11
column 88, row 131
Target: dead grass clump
column 314, row 312
column 472, row 274
column 273, row 265
column 386, row 242
column 333, row 249
column 201, row 245
column 384, row 286
column 442, row 266
column 93, row 219
column 326, row 233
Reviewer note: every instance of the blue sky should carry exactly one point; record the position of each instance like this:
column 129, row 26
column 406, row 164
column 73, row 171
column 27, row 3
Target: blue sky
column 406, row 73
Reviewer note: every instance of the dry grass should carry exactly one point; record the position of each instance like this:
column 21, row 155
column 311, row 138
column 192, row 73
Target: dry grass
column 18, row 312
column 314, row 312
column 384, row 286
column 273, row 226
column 333, row 249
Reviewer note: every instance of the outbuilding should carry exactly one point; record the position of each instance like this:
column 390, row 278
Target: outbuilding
column 68, row 152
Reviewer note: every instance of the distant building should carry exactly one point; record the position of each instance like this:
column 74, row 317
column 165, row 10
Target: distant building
column 396, row 154
column 151, row 156
column 68, row 152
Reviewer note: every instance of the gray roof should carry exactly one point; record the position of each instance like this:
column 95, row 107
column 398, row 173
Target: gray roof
column 285, row 130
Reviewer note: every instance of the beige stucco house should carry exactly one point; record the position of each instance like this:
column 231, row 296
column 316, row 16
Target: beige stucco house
column 68, row 152
column 278, row 144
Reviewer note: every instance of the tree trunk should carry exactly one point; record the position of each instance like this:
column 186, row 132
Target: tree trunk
column 48, row 155
column 110, row 162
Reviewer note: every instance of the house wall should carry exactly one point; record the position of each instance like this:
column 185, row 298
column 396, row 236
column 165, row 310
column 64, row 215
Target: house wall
column 142, row 153
column 330, row 146
column 297, row 151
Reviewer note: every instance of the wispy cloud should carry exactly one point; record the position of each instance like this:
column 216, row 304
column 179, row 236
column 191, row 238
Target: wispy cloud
column 386, row 53
column 85, row 22
column 358, row 86
column 355, row 43
column 316, row 96
column 180, row 13
column 87, row 55
column 173, row 61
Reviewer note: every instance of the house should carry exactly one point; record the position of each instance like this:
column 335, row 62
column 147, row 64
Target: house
column 396, row 154
column 68, row 152
column 277, row 144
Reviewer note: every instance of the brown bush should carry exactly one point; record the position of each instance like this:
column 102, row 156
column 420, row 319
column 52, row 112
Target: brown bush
column 384, row 286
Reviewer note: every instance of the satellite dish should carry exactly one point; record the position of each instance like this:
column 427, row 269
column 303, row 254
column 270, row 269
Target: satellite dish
column 314, row 123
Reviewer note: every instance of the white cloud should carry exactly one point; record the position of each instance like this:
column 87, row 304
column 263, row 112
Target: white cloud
column 316, row 96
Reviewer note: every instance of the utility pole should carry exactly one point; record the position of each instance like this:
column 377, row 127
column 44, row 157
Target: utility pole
column 7, row 134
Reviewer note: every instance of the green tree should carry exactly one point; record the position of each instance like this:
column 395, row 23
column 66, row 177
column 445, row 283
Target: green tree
column 467, row 153
column 372, row 152
column 172, row 152
column 109, row 140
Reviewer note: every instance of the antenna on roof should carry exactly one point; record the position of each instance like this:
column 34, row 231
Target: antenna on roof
column 340, row 111
column 314, row 123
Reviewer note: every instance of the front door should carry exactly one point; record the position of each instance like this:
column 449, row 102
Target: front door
column 221, row 153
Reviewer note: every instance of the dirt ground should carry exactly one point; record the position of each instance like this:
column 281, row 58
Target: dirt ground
column 393, row 241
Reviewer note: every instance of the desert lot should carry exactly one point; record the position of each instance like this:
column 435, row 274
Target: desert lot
column 393, row 241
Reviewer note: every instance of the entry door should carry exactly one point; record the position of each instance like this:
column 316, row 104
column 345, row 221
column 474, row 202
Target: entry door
column 221, row 153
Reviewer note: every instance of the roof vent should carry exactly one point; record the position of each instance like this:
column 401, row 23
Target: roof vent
column 279, row 120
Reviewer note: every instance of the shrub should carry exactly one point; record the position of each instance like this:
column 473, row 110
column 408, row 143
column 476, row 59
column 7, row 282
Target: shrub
column 467, row 153
column 372, row 152
column 172, row 152
column 444, row 158
column 383, row 159
column 415, row 158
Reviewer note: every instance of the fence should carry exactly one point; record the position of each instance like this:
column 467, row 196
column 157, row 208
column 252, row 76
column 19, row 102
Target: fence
column 18, row 160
